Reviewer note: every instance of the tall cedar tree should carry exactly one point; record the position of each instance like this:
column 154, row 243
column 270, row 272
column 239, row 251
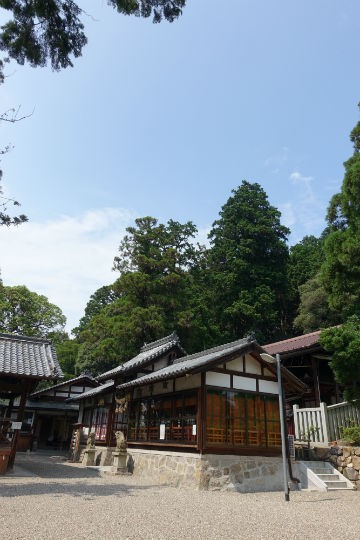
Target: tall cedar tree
column 42, row 31
column 341, row 269
column 344, row 344
column 248, row 265
column 152, row 294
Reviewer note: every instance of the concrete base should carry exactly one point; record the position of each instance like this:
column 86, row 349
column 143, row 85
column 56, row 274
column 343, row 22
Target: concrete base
column 89, row 457
column 119, row 463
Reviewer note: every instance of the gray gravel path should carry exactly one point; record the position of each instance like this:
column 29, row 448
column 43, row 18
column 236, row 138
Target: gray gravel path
column 49, row 500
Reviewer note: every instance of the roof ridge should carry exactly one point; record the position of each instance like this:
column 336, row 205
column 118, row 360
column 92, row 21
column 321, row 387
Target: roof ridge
column 21, row 337
column 242, row 341
column 62, row 383
column 153, row 344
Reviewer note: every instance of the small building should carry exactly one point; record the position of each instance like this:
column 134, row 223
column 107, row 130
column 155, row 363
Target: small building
column 49, row 416
column 24, row 362
column 304, row 357
column 193, row 409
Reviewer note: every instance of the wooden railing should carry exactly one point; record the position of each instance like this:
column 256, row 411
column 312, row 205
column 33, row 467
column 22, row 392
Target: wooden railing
column 323, row 424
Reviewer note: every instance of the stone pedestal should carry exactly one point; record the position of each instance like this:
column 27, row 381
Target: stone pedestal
column 119, row 463
column 89, row 457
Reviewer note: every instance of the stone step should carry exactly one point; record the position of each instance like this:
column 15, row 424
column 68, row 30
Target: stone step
column 329, row 477
column 337, row 485
column 321, row 470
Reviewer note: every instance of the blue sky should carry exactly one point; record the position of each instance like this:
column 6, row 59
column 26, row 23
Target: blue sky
column 165, row 120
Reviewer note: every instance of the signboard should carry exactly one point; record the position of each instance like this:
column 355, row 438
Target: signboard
column 162, row 431
column 291, row 445
column 194, row 429
column 16, row 425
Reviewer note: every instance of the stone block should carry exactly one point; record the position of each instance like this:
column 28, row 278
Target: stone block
column 322, row 453
column 351, row 473
column 357, row 450
column 356, row 462
column 347, row 451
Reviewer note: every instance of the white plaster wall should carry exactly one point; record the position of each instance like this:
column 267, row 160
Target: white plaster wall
column 252, row 365
column 269, row 387
column 244, row 383
column 163, row 362
column 186, row 383
column 77, row 388
column 217, row 379
column 235, row 365
column 159, row 388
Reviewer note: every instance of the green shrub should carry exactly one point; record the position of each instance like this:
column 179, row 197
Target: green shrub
column 351, row 434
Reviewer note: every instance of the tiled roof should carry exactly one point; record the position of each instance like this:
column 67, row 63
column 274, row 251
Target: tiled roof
column 293, row 344
column 103, row 388
column 84, row 377
column 148, row 352
column 192, row 362
column 28, row 356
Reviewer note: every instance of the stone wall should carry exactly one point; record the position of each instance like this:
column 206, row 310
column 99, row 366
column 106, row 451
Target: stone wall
column 208, row 472
column 346, row 459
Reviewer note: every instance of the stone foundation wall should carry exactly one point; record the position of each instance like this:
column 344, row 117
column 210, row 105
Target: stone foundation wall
column 346, row 459
column 208, row 472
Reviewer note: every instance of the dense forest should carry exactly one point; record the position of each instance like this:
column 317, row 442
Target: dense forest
column 246, row 281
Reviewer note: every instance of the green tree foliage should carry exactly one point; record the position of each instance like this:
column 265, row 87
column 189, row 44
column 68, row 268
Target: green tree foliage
column 100, row 299
column 341, row 269
column 67, row 352
column 247, row 266
column 344, row 344
column 28, row 313
column 152, row 293
column 314, row 311
column 42, row 31
column 305, row 261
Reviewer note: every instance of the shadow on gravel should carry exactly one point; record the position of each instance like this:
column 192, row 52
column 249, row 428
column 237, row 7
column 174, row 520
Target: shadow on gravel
column 80, row 490
column 52, row 468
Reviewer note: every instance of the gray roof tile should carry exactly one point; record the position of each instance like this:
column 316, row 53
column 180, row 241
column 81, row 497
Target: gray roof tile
column 192, row 362
column 28, row 356
column 148, row 352
column 108, row 386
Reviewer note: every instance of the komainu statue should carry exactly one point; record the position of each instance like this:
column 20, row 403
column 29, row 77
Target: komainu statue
column 121, row 445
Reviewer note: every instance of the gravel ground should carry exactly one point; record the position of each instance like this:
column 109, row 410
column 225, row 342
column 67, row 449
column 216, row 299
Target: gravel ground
column 49, row 499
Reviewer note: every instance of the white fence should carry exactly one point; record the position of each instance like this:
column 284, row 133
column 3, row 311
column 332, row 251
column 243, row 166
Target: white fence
column 322, row 424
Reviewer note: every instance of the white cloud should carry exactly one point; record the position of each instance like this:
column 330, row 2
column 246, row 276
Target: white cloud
column 305, row 182
column 277, row 161
column 287, row 215
column 66, row 259
column 306, row 215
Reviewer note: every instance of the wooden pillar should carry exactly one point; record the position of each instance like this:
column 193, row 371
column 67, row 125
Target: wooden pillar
column 315, row 370
column 110, row 420
column 9, row 408
column 201, row 435
column 20, row 416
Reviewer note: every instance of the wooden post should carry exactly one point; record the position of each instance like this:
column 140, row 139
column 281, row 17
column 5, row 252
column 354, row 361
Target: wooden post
column 201, row 435
column 324, row 422
column 20, row 416
column 110, row 420
column 296, row 421
column 315, row 370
